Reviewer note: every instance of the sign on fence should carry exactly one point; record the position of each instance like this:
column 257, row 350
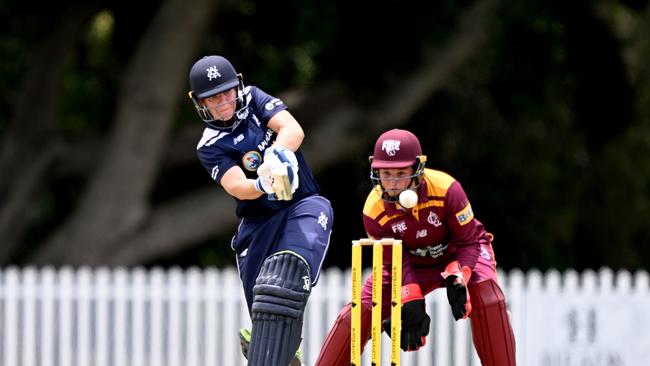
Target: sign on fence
column 102, row 317
column 593, row 319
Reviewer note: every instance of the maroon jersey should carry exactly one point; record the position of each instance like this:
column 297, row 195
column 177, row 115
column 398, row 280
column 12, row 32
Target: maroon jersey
column 439, row 229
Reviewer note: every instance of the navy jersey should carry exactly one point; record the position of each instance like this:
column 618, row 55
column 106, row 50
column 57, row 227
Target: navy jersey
column 220, row 150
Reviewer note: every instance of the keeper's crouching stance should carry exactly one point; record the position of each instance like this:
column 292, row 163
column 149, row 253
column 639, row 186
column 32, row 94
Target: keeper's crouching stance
column 445, row 246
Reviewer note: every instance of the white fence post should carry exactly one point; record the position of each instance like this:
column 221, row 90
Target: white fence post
column 120, row 299
column 84, row 296
column 211, row 325
column 529, row 337
column 156, row 317
column 66, row 290
column 46, row 315
column 101, row 294
column 28, row 316
column 138, row 323
column 174, row 296
column 10, row 288
column 192, row 316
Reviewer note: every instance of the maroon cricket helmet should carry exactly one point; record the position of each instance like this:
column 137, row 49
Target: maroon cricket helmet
column 396, row 149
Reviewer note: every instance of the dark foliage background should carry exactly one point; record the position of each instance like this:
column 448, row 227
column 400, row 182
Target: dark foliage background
column 539, row 108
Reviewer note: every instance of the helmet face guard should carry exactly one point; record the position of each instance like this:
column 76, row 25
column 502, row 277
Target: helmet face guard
column 212, row 75
column 397, row 149
column 392, row 195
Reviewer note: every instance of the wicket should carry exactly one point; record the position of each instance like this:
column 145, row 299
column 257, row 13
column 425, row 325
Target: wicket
column 396, row 300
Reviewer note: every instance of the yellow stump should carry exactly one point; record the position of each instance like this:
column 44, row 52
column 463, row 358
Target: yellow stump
column 375, row 331
column 355, row 336
column 396, row 304
column 396, row 300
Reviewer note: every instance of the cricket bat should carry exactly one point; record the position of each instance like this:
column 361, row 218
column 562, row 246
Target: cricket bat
column 281, row 184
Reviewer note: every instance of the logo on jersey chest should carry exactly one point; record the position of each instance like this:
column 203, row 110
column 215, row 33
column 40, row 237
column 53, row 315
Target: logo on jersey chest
column 399, row 227
column 262, row 145
column 421, row 233
column 433, row 219
column 252, row 160
column 433, row 251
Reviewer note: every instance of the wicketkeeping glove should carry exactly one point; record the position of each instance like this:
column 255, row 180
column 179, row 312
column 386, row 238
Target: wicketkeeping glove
column 415, row 321
column 457, row 278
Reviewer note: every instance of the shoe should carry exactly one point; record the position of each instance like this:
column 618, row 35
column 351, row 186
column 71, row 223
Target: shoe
column 245, row 341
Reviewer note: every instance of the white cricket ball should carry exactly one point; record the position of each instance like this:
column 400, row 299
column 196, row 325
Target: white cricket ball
column 408, row 198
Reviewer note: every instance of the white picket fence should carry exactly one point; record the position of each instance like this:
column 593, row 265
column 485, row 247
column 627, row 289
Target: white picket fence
column 101, row 317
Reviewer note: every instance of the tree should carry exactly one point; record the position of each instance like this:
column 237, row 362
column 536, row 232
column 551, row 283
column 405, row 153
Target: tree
column 507, row 88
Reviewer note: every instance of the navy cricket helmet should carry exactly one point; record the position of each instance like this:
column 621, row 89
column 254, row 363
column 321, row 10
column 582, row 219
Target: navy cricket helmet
column 213, row 75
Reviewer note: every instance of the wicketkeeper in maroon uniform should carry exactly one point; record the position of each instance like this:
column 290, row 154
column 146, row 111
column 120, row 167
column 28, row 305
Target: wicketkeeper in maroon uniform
column 444, row 246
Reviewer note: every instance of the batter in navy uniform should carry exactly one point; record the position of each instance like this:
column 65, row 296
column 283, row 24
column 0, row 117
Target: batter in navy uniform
column 283, row 236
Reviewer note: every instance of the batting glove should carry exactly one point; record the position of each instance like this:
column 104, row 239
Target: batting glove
column 456, row 278
column 264, row 181
column 278, row 174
